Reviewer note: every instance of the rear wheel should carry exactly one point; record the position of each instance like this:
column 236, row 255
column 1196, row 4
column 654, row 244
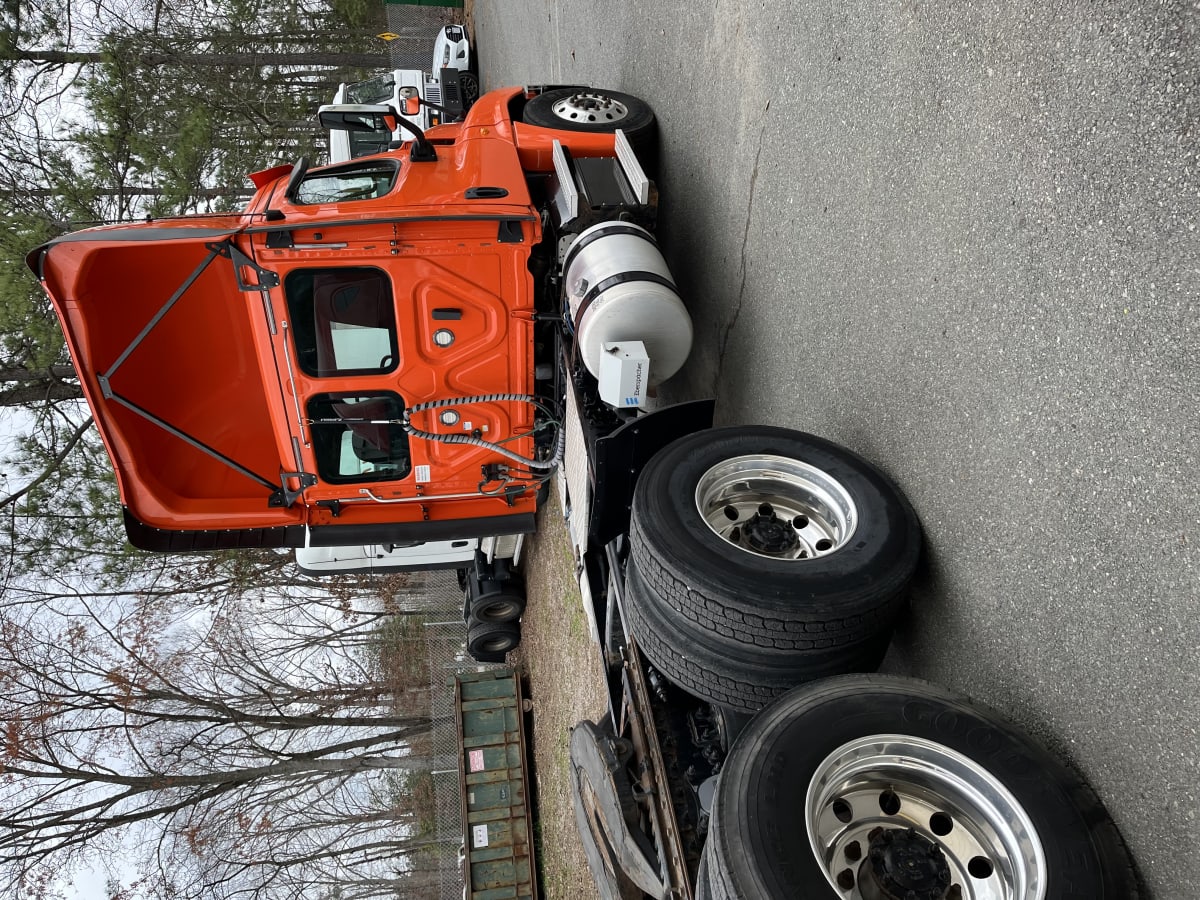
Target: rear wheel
column 870, row 786
column 761, row 557
column 725, row 669
column 491, row 641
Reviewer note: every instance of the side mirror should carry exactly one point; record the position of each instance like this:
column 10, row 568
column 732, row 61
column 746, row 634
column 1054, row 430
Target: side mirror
column 411, row 100
column 376, row 118
column 356, row 117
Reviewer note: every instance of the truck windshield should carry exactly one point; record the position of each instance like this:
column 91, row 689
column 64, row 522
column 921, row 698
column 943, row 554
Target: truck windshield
column 373, row 90
column 357, row 437
column 368, row 143
column 343, row 321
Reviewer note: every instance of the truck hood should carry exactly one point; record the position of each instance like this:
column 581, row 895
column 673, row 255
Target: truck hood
column 157, row 319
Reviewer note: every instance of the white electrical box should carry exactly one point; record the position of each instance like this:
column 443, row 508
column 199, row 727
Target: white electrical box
column 624, row 374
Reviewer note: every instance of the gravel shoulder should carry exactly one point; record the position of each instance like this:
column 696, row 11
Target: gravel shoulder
column 566, row 685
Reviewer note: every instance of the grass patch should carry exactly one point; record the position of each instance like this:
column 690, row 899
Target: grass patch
column 566, row 684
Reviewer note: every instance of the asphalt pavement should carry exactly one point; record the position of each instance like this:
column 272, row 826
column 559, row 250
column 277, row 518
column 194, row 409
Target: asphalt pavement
column 960, row 238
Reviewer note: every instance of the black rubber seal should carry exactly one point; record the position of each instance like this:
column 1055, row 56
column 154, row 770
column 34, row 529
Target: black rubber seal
column 611, row 282
column 614, row 228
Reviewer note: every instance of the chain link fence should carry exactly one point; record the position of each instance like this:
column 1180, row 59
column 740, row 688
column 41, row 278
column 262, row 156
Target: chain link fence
column 415, row 28
column 445, row 645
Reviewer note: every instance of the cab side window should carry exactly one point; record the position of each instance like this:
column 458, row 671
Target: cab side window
column 343, row 321
column 361, row 181
column 358, row 437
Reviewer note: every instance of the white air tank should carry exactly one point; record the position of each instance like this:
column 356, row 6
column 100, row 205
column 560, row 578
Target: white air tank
column 620, row 289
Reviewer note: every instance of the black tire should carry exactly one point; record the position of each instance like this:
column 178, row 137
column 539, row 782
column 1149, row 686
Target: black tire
column 845, row 595
column 468, row 86
column 792, row 766
column 726, row 671
column 492, row 639
column 567, row 109
column 505, row 607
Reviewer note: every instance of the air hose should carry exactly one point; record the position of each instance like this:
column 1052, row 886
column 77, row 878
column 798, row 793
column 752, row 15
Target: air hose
column 540, row 465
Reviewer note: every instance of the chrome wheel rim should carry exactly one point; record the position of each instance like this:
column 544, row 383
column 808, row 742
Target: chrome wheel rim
column 933, row 795
column 590, row 108
column 776, row 507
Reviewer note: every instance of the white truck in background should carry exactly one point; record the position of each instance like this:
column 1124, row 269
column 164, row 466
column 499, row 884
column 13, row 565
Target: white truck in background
column 447, row 92
column 417, row 556
column 493, row 589
column 452, row 50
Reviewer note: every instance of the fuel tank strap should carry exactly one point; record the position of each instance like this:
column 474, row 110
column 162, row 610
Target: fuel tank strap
column 614, row 228
column 611, row 282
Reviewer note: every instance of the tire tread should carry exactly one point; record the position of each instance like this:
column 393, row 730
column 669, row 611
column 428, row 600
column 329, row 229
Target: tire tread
column 803, row 630
column 741, row 676
column 837, row 600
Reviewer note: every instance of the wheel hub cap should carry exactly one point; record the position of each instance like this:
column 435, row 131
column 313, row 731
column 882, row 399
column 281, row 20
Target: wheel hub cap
column 903, row 865
column 767, row 533
column 776, row 507
column 588, row 107
column 894, row 783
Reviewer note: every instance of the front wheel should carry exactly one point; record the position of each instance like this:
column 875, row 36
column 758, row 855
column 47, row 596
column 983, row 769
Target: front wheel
column 468, row 85
column 592, row 110
column 872, row 786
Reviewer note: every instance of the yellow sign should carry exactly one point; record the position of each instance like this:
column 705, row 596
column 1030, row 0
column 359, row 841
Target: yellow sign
column 387, row 36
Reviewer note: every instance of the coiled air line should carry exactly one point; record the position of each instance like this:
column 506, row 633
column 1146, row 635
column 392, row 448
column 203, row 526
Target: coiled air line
column 542, row 465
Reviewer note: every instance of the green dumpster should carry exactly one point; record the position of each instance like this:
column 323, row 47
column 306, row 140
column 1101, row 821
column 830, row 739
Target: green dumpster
column 494, row 781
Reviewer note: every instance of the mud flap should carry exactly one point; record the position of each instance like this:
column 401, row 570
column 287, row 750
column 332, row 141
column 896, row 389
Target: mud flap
column 618, row 852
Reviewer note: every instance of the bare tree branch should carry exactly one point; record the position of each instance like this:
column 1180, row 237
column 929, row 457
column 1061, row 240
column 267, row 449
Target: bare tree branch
column 52, row 467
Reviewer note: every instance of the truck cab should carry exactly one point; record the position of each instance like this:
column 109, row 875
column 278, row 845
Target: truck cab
column 364, row 355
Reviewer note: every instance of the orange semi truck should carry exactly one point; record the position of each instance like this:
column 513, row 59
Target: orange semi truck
column 405, row 347
column 250, row 371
